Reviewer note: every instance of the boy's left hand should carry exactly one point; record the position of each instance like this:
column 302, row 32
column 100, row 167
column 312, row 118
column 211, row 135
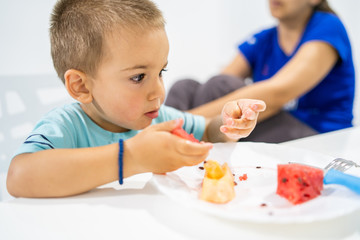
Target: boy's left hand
column 239, row 117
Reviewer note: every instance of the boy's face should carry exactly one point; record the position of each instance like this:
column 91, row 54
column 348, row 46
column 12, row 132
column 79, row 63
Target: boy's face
column 128, row 88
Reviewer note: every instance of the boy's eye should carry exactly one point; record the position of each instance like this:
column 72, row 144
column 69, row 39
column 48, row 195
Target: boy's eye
column 138, row 78
column 161, row 72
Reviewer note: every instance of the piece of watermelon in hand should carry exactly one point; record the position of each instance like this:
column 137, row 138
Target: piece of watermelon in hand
column 180, row 132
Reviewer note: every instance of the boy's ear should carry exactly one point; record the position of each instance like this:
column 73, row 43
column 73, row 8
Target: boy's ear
column 78, row 85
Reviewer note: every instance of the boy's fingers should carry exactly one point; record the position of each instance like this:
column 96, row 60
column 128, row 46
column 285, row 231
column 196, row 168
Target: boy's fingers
column 242, row 123
column 252, row 105
column 167, row 126
column 193, row 149
column 258, row 106
column 195, row 160
column 243, row 108
column 231, row 110
column 249, row 114
column 250, row 111
column 235, row 133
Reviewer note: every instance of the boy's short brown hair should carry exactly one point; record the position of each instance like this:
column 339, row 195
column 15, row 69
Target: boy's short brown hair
column 78, row 29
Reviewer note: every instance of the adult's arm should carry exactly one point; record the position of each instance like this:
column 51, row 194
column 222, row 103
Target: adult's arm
column 313, row 61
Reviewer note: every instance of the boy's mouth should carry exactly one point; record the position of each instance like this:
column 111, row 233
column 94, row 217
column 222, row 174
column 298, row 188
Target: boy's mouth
column 152, row 114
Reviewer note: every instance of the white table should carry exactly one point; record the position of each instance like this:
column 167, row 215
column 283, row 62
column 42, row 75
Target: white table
column 141, row 212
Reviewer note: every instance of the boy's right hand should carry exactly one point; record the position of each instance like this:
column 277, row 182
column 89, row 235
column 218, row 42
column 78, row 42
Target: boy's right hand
column 156, row 150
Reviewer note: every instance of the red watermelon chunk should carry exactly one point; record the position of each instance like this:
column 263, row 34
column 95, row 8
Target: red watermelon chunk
column 299, row 183
column 180, row 132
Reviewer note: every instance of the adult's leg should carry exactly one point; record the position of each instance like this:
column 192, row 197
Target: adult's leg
column 216, row 87
column 187, row 94
column 181, row 94
column 279, row 128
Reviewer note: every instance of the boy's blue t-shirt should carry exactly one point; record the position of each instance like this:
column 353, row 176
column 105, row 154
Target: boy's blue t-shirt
column 69, row 127
column 329, row 105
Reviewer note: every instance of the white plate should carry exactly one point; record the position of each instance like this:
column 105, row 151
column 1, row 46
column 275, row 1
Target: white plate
column 184, row 185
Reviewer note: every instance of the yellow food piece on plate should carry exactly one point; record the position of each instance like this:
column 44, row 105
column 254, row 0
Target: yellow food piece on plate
column 213, row 170
column 218, row 184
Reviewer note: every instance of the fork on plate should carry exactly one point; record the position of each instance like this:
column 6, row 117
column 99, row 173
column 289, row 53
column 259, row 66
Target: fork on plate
column 341, row 164
column 334, row 173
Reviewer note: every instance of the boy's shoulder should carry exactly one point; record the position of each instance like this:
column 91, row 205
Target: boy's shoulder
column 167, row 113
column 67, row 112
column 67, row 118
column 192, row 123
column 62, row 127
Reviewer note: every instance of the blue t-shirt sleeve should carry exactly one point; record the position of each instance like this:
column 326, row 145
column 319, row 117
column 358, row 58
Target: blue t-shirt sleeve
column 56, row 129
column 248, row 49
column 46, row 135
column 329, row 28
column 255, row 44
column 192, row 123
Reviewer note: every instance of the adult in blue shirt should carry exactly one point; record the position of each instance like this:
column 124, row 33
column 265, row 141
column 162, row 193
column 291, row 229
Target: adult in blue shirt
column 302, row 68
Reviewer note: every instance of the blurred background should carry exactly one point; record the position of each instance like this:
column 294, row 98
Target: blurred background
column 203, row 34
column 203, row 38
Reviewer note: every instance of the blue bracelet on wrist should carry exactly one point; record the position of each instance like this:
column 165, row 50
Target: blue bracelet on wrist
column 120, row 160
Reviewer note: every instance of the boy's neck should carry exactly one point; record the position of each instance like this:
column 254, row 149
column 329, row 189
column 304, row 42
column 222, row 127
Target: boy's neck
column 91, row 109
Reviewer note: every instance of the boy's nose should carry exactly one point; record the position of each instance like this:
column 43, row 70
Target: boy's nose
column 158, row 90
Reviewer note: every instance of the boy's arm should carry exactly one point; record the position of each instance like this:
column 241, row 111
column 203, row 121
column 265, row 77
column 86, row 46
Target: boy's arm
column 65, row 172
column 62, row 172
column 212, row 131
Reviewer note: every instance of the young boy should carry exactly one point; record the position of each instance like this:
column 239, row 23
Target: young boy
column 111, row 56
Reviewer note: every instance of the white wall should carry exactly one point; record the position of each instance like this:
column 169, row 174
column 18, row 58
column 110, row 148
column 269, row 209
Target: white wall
column 25, row 45
column 203, row 34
